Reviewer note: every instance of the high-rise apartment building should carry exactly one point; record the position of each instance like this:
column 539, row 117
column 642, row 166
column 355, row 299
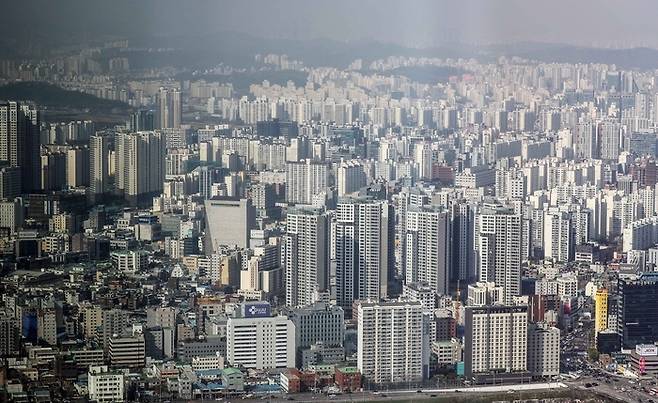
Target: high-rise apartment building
column 496, row 340
column 499, row 249
column 99, row 165
column 543, row 350
column 428, row 248
column 170, row 108
column 305, row 256
column 19, row 142
column 390, row 341
column 306, row 180
column 139, row 165
column 362, row 250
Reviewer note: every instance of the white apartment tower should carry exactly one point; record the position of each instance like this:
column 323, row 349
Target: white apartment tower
column 499, row 249
column 305, row 256
column 99, row 175
column 140, row 165
column 362, row 248
column 350, row 177
column 495, row 339
column 428, row 249
column 304, row 180
column 390, row 341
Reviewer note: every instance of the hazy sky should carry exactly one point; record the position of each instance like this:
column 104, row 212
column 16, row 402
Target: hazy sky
column 410, row 22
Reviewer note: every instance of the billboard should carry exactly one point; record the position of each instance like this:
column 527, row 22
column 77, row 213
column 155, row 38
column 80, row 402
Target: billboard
column 645, row 350
column 256, row 310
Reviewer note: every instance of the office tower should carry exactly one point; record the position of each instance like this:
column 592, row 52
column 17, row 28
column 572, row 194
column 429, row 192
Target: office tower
column 11, row 215
column 543, row 350
column 140, row 166
column 105, row 385
column 99, row 169
column 47, row 326
column 305, row 256
column 77, row 167
column 257, row 340
column 496, row 341
column 305, row 180
column 10, row 335
column 170, row 108
column 113, row 322
column 637, row 311
column 428, row 248
column 229, row 221
column 19, row 142
column 318, row 323
column 161, row 317
column 127, row 352
column 362, row 242
column 463, row 258
column 600, row 311
column 390, row 341
column 10, row 182
column 142, row 120
column 499, row 249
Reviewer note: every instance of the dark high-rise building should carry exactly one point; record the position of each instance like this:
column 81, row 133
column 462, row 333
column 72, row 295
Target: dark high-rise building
column 19, row 142
column 637, row 310
column 142, row 120
column 170, row 108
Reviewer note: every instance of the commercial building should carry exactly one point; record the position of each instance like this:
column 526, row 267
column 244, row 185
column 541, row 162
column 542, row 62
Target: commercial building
column 257, row 340
column 105, row 385
column 637, row 312
column 127, row 352
column 228, row 222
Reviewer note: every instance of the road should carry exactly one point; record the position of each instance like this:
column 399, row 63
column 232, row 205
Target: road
column 461, row 393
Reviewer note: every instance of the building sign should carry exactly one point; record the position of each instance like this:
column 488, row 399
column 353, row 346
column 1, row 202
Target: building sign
column 257, row 310
column 646, row 350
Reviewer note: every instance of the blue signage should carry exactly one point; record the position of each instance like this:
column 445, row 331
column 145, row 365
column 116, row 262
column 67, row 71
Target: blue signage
column 257, row 310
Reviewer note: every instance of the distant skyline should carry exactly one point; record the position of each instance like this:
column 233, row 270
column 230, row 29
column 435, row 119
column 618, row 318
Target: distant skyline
column 413, row 23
